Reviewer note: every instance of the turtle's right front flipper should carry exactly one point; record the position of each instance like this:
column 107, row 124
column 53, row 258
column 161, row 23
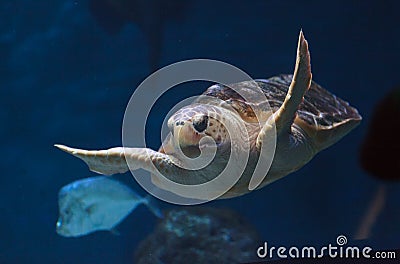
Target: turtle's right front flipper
column 112, row 161
column 283, row 118
column 301, row 81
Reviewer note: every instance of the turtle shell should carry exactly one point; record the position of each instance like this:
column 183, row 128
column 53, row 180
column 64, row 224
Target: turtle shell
column 319, row 107
column 320, row 111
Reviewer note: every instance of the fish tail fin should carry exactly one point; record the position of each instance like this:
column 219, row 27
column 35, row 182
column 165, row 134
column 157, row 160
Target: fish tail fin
column 151, row 203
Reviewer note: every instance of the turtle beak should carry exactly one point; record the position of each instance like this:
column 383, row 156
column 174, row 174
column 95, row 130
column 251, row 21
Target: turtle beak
column 184, row 136
column 187, row 140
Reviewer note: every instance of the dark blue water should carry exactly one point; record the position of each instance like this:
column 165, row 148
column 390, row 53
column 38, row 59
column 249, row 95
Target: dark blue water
column 64, row 79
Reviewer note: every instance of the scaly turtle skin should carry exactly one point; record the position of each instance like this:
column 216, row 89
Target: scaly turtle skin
column 307, row 119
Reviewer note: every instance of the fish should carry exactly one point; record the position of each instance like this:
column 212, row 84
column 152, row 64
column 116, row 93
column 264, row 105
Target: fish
column 97, row 203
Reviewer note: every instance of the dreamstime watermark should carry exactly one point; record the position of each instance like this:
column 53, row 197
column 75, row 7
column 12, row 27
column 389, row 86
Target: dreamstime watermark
column 145, row 97
column 339, row 250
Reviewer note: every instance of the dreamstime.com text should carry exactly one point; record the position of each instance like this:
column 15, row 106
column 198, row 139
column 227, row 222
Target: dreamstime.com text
column 340, row 250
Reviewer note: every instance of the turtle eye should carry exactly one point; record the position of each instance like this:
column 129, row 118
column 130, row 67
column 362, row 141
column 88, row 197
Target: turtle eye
column 200, row 124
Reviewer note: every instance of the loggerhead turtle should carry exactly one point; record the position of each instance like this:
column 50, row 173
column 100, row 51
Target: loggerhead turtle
column 307, row 119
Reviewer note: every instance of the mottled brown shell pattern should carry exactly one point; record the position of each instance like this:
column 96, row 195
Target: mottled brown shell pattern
column 320, row 108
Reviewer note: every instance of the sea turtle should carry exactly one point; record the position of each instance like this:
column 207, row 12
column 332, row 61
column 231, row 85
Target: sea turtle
column 307, row 119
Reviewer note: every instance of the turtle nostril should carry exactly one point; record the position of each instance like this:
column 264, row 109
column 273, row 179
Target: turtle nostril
column 200, row 124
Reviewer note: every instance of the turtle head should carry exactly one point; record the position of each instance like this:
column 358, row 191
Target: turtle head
column 191, row 124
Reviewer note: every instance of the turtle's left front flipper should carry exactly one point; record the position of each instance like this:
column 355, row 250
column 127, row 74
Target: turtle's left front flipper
column 112, row 161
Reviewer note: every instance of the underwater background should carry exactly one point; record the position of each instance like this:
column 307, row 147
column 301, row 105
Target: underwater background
column 68, row 69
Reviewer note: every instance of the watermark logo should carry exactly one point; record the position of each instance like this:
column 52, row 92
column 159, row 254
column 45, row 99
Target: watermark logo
column 187, row 186
column 340, row 250
column 341, row 240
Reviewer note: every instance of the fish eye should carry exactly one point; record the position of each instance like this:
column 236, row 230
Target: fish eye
column 90, row 209
column 200, row 124
column 67, row 212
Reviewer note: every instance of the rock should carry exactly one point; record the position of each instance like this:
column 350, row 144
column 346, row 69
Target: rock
column 199, row 235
